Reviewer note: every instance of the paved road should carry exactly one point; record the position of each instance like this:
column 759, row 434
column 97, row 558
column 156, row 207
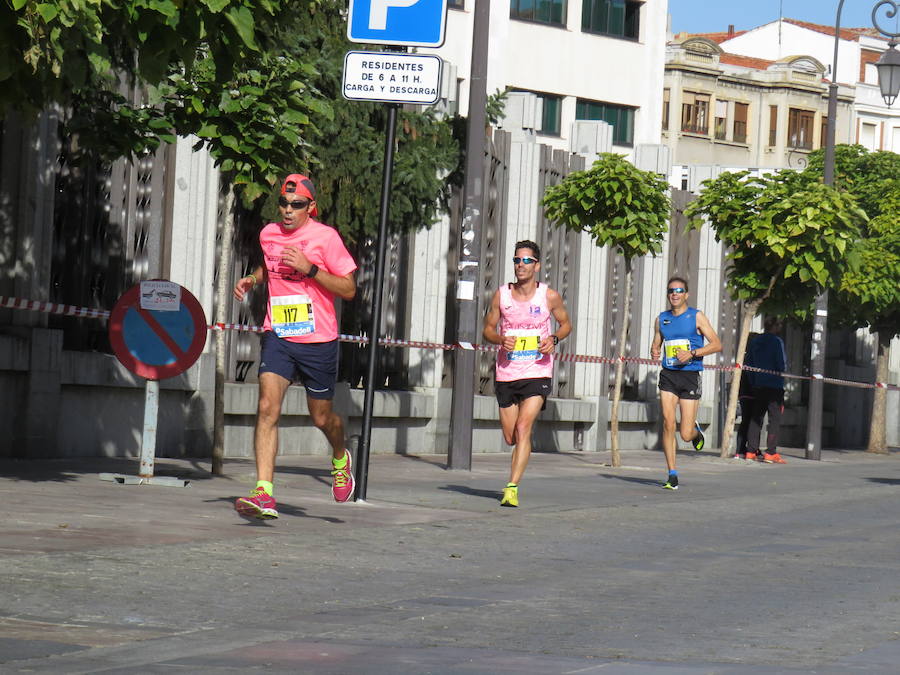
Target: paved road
column 747, row 569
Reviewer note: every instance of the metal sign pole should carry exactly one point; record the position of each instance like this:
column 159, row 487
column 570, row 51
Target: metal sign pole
column 362, row 461
column 459, row 454
column 148, row 439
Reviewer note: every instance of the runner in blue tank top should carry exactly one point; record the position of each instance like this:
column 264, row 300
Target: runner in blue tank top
column 679, row 335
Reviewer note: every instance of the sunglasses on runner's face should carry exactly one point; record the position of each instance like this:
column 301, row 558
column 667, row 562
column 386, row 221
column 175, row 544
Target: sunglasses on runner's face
column 525, row 261
column 674, row 290
column 297, row 205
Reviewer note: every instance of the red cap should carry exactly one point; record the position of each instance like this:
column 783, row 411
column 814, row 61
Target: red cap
column 300, row 185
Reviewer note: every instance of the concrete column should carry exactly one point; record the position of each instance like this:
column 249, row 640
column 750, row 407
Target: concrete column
column 589, row 329
column 706, row 295
column 427, row 303
column 28, row 175
column 195, row 200
column 523, row 115
column 589, row 139
column 40, row 432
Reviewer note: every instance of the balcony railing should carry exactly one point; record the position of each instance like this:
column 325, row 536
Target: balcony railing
column 695, row 128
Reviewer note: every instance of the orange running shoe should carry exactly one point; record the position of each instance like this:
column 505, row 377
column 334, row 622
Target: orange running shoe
column 751, row 456
column 773, row 459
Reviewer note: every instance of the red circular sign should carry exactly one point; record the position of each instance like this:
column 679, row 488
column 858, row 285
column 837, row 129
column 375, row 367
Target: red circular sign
column 157, row 343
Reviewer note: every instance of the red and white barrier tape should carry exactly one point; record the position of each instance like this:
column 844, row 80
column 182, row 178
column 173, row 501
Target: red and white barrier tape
column 84, row 312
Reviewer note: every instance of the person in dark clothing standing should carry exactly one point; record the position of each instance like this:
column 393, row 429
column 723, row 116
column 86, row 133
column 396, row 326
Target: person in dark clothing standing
column 745, row 399
column 767, row 352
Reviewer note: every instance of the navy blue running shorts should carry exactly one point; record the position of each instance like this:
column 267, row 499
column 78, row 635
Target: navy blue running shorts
column 682, row 383
column 314, row 364
column 516, row 391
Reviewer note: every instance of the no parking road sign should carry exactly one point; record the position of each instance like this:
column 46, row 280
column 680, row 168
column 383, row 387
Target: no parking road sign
column 157, row 329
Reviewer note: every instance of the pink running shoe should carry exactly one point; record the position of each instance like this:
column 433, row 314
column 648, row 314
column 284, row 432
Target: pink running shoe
column 260, row 504
column 342, row 483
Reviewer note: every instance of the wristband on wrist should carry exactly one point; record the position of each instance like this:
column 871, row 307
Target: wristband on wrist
column 252, row 276
column 694, row 353
column 313, row 271
column 555, row 340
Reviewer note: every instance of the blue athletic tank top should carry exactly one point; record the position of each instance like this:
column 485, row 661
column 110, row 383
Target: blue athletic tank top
column 680, row 332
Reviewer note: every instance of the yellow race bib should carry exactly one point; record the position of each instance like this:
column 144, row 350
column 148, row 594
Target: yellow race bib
column 670, row 349
column 292, row 315
column 527, row 343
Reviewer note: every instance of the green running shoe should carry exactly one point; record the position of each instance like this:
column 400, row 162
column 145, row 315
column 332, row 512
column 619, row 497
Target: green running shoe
column 700, row 440
column 671, row 483
column 510, row 496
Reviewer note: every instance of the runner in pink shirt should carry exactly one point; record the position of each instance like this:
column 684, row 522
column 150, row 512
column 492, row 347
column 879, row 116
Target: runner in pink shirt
column 522, row 312
column 306, row 266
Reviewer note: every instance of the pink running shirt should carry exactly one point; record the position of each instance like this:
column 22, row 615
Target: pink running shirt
column 300, row 309
column 530, row 319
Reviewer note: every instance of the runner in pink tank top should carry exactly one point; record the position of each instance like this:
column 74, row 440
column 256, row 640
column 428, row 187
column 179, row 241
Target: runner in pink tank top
column 519, row 320
column 525, row 319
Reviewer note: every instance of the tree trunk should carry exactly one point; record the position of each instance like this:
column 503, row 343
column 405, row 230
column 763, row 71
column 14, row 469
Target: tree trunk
column 750, row 310
column 733, row 394
column 223, row 285
column 878, row 428
column 620, row 366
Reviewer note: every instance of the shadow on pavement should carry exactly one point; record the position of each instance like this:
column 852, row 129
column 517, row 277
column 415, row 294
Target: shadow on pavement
column 885, row 481
column 284, row 509
column 630, row 479
column 44, row 470
column 474, row 492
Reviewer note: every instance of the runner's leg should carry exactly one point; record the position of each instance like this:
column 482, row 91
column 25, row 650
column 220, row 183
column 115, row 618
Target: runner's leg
column 265, row 438
column 668, row 401
column 508, row 417
column 329, row 422
column 529, row 409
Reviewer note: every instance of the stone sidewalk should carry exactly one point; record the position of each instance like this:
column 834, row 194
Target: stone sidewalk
column 748, row 568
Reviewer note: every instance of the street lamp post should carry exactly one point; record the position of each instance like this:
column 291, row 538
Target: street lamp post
column 889, row 81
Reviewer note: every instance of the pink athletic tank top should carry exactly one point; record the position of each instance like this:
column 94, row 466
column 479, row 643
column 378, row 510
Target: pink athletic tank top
column 529, row 320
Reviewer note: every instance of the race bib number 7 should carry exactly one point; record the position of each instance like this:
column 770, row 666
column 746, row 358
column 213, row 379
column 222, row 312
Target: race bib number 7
column 526, row 349
column 292, row 315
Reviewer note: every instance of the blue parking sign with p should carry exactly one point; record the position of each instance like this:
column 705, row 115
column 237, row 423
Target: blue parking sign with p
column 415, row 23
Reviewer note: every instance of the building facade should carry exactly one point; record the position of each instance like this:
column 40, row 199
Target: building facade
column 584, row 59
column 875, row 125
column 737, row 111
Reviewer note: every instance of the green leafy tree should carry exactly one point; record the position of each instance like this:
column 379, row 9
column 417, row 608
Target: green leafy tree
column 868, row 176
column 788, row 239
column 82, row 54
column 869, row 296
column 621, row 206
column 869, row 293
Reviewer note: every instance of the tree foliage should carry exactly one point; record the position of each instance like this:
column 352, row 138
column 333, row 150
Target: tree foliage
column 256, row 124
column 82, row 55
column 258, row 82
column 788, row 238
column 616, row 203
column 869, row 293
column 868, row 176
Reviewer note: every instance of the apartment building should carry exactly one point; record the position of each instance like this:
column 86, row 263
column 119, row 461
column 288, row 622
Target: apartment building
column 733, row 110
column 875, row 125
column 584, row 59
